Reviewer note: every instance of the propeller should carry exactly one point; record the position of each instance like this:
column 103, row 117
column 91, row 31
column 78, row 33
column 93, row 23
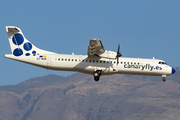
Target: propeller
column 118, row 54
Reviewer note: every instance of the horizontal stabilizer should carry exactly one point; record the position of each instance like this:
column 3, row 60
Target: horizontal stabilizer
column 12, row 29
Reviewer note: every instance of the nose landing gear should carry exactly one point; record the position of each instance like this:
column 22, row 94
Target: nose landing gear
column 97, row 75
column 164, row 78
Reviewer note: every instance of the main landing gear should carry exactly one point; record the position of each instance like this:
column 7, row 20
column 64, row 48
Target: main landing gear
column 97, row 75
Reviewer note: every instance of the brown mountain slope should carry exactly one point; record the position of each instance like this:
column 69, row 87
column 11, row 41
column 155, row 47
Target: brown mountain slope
column 79, row 97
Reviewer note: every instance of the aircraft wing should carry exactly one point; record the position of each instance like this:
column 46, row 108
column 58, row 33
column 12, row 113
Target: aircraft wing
column 96, row 49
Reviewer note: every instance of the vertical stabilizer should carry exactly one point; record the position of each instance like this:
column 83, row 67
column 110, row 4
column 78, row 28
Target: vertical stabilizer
column 20, row 46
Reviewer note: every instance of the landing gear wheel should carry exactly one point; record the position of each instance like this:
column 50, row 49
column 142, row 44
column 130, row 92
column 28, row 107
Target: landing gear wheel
column 164, row 79
column 97, row 75
column 96, row 78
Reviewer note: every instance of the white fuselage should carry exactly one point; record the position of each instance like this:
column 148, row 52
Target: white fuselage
column 85, row 64
column 97, row 62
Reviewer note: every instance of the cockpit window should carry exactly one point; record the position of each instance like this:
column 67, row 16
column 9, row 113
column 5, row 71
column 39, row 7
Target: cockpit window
column 161, row 62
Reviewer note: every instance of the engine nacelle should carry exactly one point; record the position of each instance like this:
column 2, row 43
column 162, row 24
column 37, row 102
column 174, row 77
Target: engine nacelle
column 108, row 54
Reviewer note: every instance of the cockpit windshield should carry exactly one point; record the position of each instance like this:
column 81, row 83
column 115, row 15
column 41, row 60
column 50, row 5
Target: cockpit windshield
column 161, row 62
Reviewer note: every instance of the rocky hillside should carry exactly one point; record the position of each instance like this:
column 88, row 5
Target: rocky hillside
column 79, row 97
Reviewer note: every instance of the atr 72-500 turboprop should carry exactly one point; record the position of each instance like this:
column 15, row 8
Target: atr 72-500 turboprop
column 97, row 62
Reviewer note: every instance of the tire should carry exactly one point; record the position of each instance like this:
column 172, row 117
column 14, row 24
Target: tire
column 96, row 78
column 164, row 79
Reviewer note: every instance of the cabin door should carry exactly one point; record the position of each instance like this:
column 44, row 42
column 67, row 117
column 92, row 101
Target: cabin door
column 48, row 61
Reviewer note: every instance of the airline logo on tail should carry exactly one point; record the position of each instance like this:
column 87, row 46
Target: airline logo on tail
column 19, row 44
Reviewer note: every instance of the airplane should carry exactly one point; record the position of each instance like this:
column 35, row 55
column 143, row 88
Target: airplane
column 97, row 62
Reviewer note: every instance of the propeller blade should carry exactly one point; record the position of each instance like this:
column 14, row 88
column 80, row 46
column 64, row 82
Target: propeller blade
column 117, row 60
column 118, row 54
column 118, row 48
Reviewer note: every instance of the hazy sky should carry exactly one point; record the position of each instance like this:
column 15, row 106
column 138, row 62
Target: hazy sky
column 144, row 28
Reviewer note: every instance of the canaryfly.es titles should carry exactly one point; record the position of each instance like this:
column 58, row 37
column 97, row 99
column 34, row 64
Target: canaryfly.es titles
column 142, row 67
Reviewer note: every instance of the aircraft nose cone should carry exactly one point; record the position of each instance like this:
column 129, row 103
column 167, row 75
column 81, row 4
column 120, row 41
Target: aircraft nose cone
column 173, row 70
